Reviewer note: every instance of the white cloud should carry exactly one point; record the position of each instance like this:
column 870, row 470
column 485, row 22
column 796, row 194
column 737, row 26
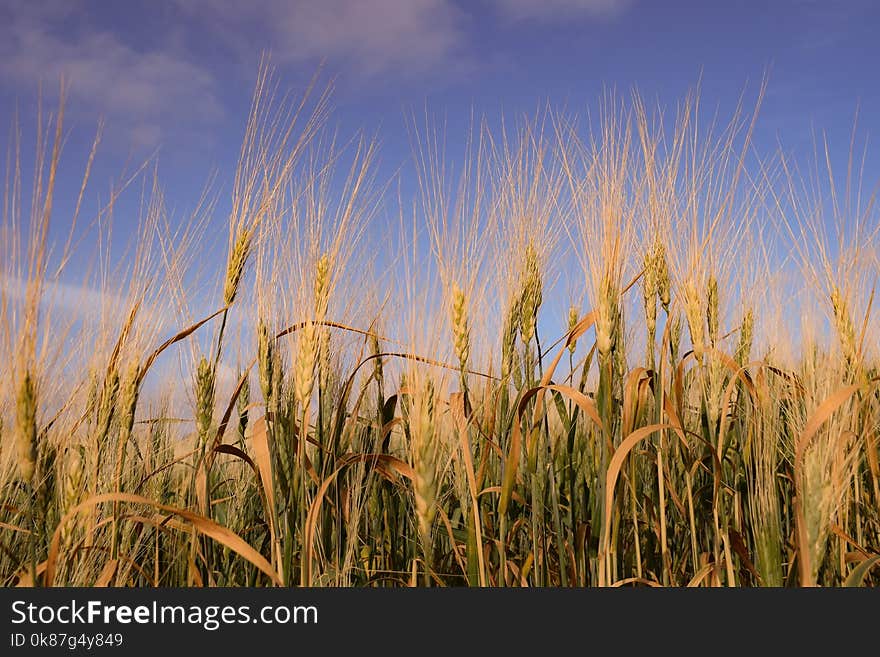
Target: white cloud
column 83, row 303
column 168, row 74
column 559, row 9
column 81, row 300
column 42, row 42
column 370, row 36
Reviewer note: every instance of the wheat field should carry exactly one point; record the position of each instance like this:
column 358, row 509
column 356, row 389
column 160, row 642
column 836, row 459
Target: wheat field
column 626, row 351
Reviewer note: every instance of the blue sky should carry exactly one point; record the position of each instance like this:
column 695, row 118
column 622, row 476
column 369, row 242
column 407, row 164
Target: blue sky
column 175, row 76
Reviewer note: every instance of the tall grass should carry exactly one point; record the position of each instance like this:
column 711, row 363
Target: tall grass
column 340, row 400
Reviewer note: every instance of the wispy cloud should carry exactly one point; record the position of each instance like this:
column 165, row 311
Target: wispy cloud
column 169, row 65
column 375, row 36
column 549, row 10
column 40, row 42
column 77, row 302
column 81, row 300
